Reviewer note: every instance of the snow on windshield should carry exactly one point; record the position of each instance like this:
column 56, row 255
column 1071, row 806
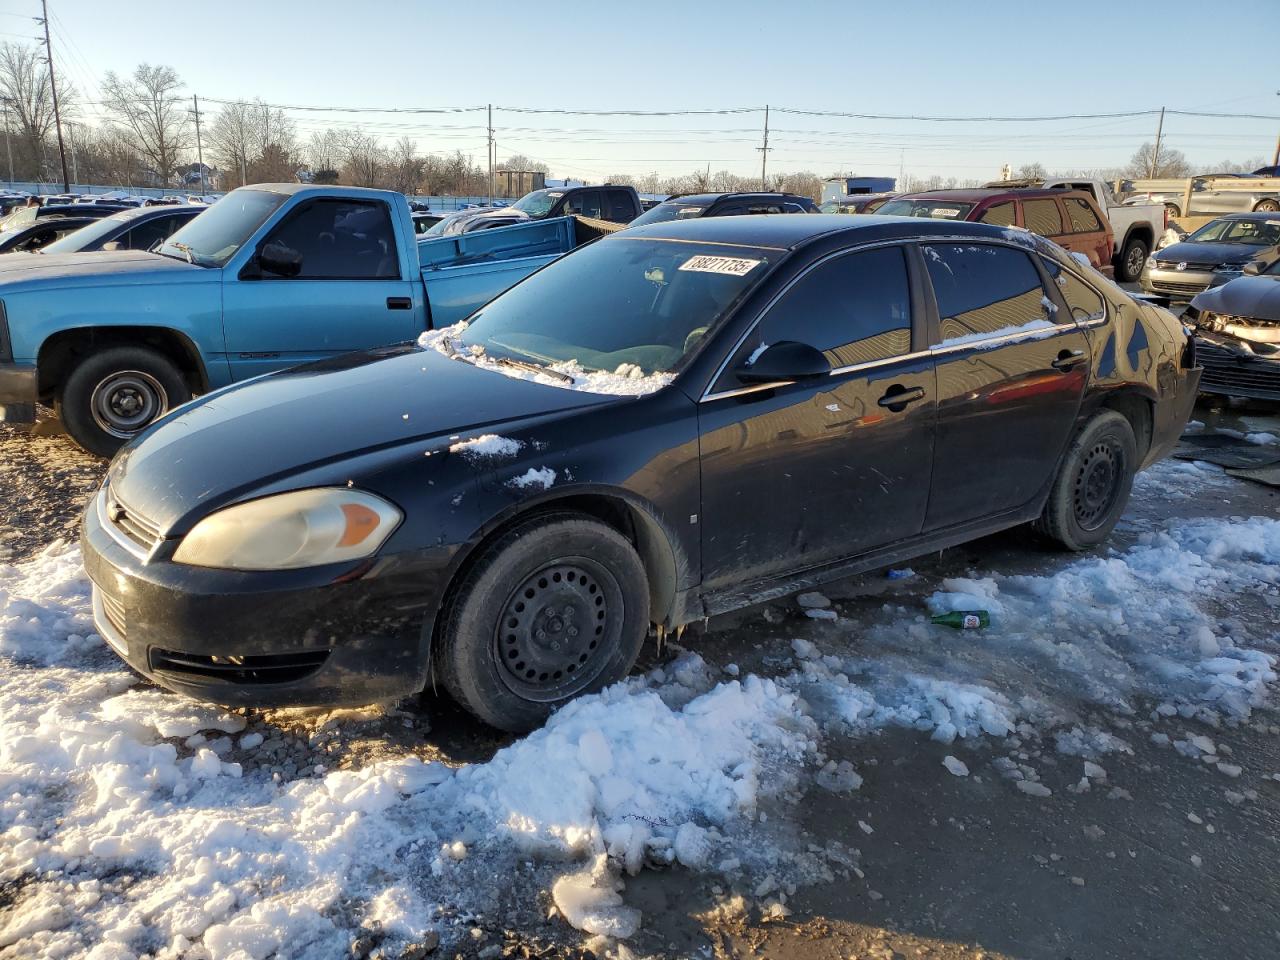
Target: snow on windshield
column 627, row 380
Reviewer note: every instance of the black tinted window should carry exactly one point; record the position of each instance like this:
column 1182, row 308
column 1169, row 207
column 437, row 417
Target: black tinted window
column 1042, row 217
column 621, row 207
column 854, row 309
column 1001, row 215
column 144, row 235
column 983, row 289
column 1083, row 219
column 585, row 203
column 341, row 239
column 1084, row 302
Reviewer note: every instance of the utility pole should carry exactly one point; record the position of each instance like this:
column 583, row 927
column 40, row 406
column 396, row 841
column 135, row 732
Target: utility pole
column 53, row 89
column 8, row 148
column 71, row 136
column 199, row 147
column 764, row 151
column 1155, row 154
column 491, row 151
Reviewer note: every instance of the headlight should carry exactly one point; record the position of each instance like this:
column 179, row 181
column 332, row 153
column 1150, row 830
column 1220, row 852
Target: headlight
column 305, row 528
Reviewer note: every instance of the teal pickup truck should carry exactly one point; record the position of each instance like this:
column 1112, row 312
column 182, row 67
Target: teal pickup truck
column 270, row 276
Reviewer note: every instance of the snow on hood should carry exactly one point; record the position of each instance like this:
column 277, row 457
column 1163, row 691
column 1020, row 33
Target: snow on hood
column 628, row 380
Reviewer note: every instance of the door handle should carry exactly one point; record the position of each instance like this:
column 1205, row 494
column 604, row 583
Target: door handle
column 897, row 397
column 399, row 303
column 1068, row 359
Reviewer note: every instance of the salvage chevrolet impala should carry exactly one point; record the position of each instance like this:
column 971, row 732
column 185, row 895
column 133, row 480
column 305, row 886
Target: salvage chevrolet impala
column 672, row 422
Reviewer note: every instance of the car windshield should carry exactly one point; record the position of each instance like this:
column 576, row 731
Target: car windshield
column 86, row 236
column 213, row 238
column 537, row 204
column 670, row 210
column 630, row 306
column 1259, row 233
column 935, row 209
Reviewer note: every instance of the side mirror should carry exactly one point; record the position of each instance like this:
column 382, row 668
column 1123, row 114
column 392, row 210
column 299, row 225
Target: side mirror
column 281, row 260
column 1253, row 268
column 784, row 360
column 111, row 246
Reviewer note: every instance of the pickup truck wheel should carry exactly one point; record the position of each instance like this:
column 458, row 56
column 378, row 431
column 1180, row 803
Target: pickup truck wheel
column 113, row 395
column 1132, row 259
column 1268, row 206
column 1093, row 483
column 1172, row 210
column 555, row 608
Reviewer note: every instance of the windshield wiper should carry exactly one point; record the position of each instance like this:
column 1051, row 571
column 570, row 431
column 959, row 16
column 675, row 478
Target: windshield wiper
column 532, row 368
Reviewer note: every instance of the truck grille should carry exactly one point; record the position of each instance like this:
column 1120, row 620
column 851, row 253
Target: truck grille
column 272, row 668
column 138, row 529
column 1225, row 373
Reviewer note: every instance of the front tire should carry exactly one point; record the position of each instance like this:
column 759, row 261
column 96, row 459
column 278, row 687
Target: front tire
column 1132, row 259
column 1093, row 483
column 555, row 608
column 111, row 396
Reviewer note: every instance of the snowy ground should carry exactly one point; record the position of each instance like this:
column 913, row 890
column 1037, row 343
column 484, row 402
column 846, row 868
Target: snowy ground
column 841, row 771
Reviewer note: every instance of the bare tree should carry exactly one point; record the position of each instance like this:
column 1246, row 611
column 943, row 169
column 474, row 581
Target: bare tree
column 229, row 140
column 323, row 154
column 1031, row 171
column 406, row 167
column 1169, row 163
column 147, row 108
column 24, row 83
column 364, row 159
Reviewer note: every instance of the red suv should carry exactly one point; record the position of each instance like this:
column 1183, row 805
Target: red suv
column 1070, row 218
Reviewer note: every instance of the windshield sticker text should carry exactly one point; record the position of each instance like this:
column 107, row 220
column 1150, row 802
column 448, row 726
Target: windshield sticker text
column 733, row 266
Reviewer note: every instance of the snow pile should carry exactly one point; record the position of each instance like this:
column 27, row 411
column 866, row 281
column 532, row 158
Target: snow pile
column 535, row 478
column 490, row 445
column 129, row 830
column 628, row 380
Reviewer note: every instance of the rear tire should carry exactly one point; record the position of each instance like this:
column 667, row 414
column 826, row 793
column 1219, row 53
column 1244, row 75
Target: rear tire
column 1268, row 206
column 555, row 608
column 1093, row 483
column 1172, row 210
column 113, row 395
column 1132, row 259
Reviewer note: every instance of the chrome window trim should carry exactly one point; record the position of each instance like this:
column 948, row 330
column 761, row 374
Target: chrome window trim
column 932, row 351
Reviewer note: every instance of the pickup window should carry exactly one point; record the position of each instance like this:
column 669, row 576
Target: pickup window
column 621, row 207
column 340, row 240
column 1083, row 219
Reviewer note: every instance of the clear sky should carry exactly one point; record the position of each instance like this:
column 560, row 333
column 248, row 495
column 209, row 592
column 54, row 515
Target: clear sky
column 912, row 57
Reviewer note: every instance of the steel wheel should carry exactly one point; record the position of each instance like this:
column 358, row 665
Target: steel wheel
column 1097, row 484
column 558, row 629
column 126, row 401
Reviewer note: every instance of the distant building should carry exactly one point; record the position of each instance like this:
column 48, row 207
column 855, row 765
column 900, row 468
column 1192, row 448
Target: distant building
column 516, row 183
column 198, row 174
column 839, row 187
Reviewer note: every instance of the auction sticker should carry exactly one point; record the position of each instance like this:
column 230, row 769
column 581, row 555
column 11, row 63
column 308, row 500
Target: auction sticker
column 733, row 266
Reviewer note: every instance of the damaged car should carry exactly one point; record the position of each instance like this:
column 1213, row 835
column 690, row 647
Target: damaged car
column 507, row 507
column 1238, row 333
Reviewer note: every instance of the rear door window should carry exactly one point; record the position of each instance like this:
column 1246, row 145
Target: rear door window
column 622, row 208
column 1001, row 214
column 1085, row 303
column 586, row 203
column 855, row 308
column 1042, row 217
column 982, row 289
column 1083, row 219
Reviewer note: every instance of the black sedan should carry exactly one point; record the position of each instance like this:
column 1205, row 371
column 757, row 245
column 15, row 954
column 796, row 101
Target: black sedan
column 40, row 234
column 672, row 422
column 139, row 228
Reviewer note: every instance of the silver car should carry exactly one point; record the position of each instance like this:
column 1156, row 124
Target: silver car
column 1208, row 199
column 1220, row 248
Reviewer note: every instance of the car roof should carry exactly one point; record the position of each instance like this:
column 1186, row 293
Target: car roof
column 708, row 198
column 764, row 230
column 977, row 194
column 164, row 209
column 1262, row 215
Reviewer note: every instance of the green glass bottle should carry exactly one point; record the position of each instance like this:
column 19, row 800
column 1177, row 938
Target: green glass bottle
column 963, row 619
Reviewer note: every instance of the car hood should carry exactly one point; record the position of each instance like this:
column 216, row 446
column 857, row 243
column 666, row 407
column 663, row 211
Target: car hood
column 1257, row 298
column 90, row 267
column 1209, row 252
column 511, row 212
column 232, row 442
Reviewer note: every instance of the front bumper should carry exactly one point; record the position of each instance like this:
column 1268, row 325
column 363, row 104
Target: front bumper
column 322, row 636
column 17, row 392
column 1176, row 284
column 1234, row 370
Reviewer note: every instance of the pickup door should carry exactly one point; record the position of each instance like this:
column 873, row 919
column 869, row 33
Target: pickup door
column 349, row 293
